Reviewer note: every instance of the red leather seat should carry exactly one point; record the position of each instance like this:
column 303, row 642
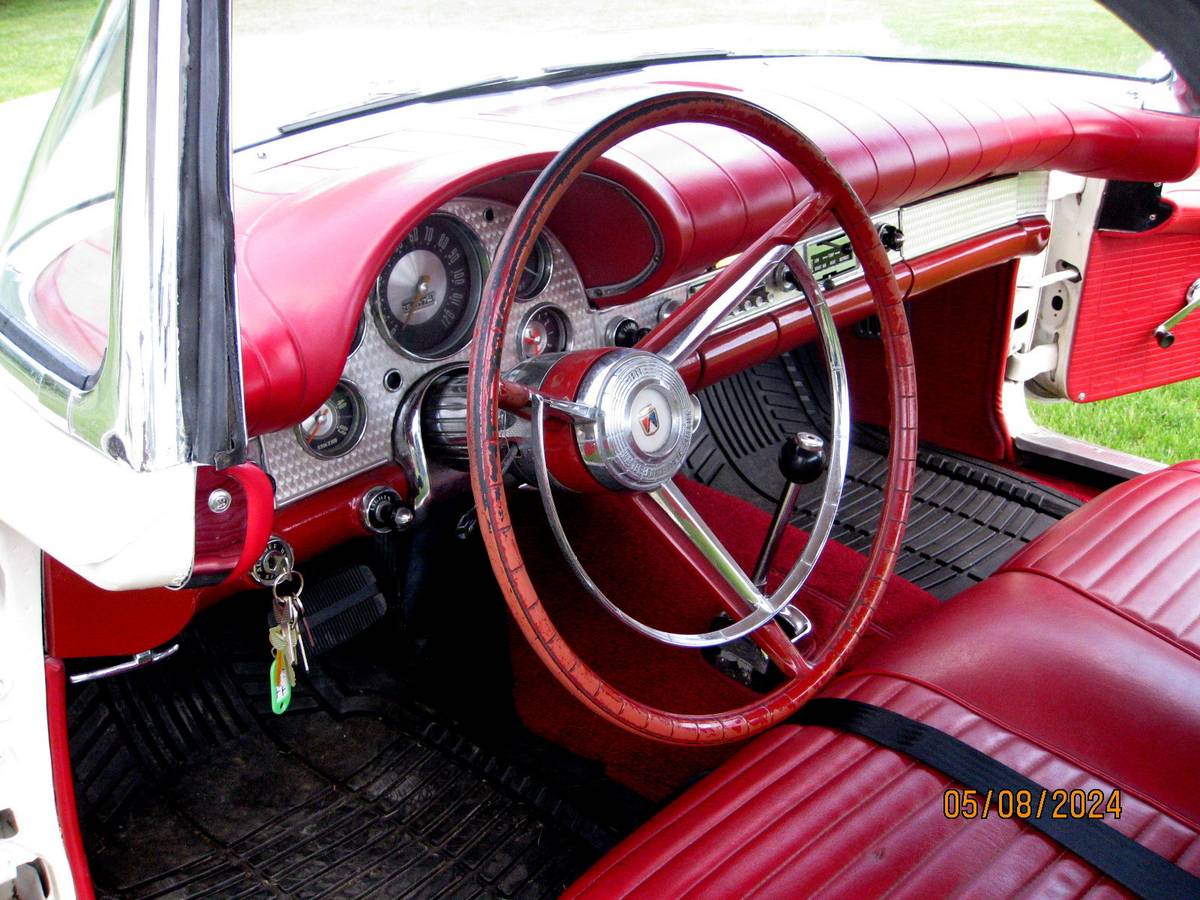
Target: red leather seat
column 1063, row 666
column 1135, row 549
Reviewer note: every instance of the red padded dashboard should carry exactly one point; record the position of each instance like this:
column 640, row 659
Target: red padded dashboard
column 318, row 213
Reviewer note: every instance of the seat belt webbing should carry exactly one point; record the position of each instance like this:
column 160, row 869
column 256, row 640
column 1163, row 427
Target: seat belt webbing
column 1122, row 859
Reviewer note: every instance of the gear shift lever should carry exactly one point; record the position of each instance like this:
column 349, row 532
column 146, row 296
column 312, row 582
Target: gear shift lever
column 802, row 459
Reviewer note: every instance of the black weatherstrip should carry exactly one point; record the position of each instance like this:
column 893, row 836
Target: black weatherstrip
column 210, row 369
column 1122, row 859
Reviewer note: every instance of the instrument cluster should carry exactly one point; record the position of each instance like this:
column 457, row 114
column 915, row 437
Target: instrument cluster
column 418, row 321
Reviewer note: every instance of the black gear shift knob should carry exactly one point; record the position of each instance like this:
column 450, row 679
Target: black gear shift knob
column 802, row 458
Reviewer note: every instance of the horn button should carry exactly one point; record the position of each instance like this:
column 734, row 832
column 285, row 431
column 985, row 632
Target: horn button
column 645, row 421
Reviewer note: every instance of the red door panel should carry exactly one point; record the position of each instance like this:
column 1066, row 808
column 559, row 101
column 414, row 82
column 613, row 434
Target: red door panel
column 1134, row 282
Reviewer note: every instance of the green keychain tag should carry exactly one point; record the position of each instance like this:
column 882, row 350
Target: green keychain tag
column 281, row 688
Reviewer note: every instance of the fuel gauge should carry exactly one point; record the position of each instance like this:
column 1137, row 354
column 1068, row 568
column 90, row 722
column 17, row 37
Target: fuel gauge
column 544, row 330
column 336, row 426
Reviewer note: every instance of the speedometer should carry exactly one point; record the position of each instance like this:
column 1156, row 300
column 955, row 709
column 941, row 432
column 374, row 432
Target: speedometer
column 426, row 298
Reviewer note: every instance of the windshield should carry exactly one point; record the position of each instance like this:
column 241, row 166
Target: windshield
column 295, row 58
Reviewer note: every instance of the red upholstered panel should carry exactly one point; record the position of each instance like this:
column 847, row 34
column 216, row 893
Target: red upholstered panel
column 1135, row 548
column 1042, row 660
column 1133, row 283
column 84, row 620
column 959, row 390
column 807, row 812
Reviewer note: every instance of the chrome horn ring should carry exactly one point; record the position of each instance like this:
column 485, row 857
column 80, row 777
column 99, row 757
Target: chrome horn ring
column 763, row 607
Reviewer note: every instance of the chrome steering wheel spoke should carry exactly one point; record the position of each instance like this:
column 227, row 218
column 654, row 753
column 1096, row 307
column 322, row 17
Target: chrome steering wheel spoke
column 681, row 335
column 761, row 608
column 578, row 413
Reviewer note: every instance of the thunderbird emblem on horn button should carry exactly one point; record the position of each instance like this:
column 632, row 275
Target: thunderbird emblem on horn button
column 648, row 418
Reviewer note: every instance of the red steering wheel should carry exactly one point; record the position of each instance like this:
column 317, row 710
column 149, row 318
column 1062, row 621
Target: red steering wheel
column 622, row 420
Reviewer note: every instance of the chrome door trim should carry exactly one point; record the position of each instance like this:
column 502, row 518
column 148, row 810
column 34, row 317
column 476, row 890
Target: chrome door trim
column 137, row 410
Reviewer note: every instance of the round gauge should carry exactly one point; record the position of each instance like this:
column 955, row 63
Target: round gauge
column 545, row 330
column 538, row 269
column 428, row 294
column 335, row 428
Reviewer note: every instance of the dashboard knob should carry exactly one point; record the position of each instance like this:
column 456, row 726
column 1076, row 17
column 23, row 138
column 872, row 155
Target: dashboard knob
column 891, row 237
column 802, row 458
column 384, row 511
column 624, row 333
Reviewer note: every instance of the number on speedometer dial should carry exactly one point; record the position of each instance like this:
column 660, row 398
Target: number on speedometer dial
column 427, row 296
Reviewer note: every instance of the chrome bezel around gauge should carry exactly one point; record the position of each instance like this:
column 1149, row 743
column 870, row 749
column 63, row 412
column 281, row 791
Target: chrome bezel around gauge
column 563, row 320
column 360, row 405
column 543, row 253
column 457, row 337
column 360, row 332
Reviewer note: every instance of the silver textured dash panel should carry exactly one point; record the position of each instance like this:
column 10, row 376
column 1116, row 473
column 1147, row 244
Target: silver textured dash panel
column 298, row 473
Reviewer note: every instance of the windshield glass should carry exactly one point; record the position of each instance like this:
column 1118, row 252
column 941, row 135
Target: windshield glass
column 294, row 58
column 57, row 266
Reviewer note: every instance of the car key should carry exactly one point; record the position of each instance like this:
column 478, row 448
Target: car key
column 286, row 638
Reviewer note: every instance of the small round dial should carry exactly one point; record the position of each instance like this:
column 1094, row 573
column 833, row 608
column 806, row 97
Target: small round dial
column 545, row 330
column 538, row 269
column 428, row 294
column 336, row 426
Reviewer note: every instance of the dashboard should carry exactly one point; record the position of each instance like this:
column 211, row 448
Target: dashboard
column 953, row 157
column 418, row 319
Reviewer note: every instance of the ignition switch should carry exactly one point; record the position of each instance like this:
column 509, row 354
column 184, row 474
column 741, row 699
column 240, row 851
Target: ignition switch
column 277, row 557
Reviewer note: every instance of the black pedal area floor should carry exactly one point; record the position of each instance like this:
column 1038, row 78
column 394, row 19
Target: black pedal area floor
column 190, row 787
column 968, row 517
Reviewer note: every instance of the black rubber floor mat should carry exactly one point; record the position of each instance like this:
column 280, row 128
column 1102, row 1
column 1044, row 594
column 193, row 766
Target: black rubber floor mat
column 189, row 787
column 968, row 517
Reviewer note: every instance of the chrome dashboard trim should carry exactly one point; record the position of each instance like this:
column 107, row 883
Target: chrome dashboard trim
column 408, row 442
column 298, row 475
column 689, row 340
column 928, row 225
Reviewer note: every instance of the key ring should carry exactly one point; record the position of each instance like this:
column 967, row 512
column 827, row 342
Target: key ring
column 280, row 579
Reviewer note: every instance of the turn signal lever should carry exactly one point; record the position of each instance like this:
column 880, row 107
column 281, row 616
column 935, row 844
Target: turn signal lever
column 802, row 459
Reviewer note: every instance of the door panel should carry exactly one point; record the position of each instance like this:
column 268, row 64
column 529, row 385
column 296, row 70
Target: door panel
column 1134, row 282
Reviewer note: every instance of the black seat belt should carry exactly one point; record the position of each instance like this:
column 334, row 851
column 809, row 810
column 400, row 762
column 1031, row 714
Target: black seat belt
column 1122, row 859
